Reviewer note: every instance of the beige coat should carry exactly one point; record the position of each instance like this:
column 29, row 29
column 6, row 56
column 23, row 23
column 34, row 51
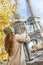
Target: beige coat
column 18, row 58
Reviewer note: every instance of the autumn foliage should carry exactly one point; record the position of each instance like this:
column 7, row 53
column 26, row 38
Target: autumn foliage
column 6, row 19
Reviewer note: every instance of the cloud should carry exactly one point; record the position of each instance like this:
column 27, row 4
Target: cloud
column 38, row 6
column 41, row 21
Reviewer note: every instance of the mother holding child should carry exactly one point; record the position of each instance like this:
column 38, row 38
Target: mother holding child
column 14, row 46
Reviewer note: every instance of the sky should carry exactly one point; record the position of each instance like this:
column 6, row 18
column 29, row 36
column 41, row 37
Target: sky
column 38, row 7
column 22, row 8
column 36, row 4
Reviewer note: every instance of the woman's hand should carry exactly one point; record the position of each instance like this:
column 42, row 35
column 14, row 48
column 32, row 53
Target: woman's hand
column 23, row 38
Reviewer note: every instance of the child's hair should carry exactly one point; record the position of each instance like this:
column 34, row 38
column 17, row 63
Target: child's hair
column 19, row 27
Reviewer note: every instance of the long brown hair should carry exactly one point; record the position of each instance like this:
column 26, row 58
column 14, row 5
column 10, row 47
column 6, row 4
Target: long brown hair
column 8, row 44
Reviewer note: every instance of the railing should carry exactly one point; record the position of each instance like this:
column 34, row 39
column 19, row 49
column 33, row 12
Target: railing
column 36, row 34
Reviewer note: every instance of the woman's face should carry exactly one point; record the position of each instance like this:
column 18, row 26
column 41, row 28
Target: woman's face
column 10, row 37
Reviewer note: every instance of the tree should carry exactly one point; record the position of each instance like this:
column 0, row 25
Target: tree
column 6, row 16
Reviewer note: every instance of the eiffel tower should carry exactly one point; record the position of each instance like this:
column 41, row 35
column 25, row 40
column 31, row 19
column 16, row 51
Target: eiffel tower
column 34, row 27
column 34, row 22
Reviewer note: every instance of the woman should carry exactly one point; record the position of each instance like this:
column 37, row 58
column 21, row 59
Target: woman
column 14, row 48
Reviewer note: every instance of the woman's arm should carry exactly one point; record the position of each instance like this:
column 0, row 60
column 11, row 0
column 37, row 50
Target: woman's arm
column 22, row 39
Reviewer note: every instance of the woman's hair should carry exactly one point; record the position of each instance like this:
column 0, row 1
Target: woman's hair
column 8, row 44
